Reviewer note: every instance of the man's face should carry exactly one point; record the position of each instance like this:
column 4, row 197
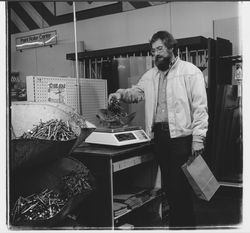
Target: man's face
column 162, row 55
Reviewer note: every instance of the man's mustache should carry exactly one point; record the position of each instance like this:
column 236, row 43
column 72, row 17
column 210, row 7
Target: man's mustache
column 158, row 57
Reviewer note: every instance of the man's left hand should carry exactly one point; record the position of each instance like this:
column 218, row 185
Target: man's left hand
column 197, row 149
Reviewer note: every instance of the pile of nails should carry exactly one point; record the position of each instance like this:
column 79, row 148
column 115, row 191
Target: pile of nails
column 75, row 183
column 48, row 203
column 40, row 206
column 54, row 129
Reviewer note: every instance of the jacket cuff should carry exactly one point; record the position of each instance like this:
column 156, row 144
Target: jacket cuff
column 121, row 92
column 198, row 138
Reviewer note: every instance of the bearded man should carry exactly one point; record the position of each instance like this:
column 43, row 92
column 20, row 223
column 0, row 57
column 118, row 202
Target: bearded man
column 176, row 116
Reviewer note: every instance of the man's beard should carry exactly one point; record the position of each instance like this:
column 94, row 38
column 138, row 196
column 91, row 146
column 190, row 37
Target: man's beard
column 162, row 63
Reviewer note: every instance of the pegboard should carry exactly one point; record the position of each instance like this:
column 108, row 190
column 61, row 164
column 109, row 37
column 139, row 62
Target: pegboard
column 93, row 93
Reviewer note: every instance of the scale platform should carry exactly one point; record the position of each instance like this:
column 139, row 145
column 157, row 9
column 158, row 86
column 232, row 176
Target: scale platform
column 118, row 136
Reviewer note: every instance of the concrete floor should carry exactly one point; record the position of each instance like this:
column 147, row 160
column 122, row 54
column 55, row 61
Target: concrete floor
column 224, row 210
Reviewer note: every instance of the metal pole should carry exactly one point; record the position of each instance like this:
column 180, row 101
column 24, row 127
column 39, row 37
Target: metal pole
column 78, row 89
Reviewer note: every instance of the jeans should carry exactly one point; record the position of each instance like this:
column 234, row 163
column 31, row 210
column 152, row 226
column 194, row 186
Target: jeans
column 171, row 154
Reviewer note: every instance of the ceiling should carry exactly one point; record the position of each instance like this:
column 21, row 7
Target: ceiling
column 28, row 16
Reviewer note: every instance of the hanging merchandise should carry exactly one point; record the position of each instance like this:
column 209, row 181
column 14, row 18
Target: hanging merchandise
column 124, row 74
column 138, row 66
column 17, row 89
column 238, row 72
column 149, row 62
column 186, row 53
column 109, row 72
column 93, row 69
column 197, row 59
column 57, row 92
column 238, row 77
column 204, row 66
column 141, row 64
column 90, row 69
column 96, row 71
column 133, row 66
column 123, row 71
column 205, row 75
column 139, row 108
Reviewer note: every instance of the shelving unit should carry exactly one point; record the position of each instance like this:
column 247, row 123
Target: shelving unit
column 130, row 162
column 114, row 168
column 144, row 203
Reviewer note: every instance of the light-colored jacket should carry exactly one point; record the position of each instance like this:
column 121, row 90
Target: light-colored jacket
column 186, row 99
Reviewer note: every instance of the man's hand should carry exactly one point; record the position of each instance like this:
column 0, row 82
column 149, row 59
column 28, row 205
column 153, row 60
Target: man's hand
column 114, row 97
column 197, row 149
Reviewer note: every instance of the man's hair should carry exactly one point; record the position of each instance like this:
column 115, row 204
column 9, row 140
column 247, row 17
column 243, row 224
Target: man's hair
column 167, row 39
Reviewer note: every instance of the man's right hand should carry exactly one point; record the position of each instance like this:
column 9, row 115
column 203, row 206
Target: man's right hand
column 114, row 97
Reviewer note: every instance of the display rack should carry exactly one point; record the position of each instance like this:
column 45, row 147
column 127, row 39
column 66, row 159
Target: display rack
column 193, row 49
column 93, row 93
column 193, row 43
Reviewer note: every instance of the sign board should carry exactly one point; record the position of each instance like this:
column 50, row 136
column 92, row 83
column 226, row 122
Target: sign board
column 57, row 92
column 36, row 40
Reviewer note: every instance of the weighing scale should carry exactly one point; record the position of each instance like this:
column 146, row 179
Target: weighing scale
column 118, row 136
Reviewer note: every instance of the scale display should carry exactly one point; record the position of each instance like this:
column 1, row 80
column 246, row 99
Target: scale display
column 118, row 137
column 125, row 136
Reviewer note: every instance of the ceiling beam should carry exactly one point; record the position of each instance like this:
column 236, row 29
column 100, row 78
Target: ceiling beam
column 139, row 4
column 45, row 13
column 23, row 15
column 13, row 28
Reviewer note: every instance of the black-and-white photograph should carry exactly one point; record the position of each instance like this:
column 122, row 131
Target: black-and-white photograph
column 124, row 115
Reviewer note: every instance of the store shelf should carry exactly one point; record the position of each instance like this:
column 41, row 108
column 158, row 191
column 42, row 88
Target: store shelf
column 105, row 163
column 193, row 43
column 124, row 50
column 144, row 203
column 232, row 58
column 130, row 162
